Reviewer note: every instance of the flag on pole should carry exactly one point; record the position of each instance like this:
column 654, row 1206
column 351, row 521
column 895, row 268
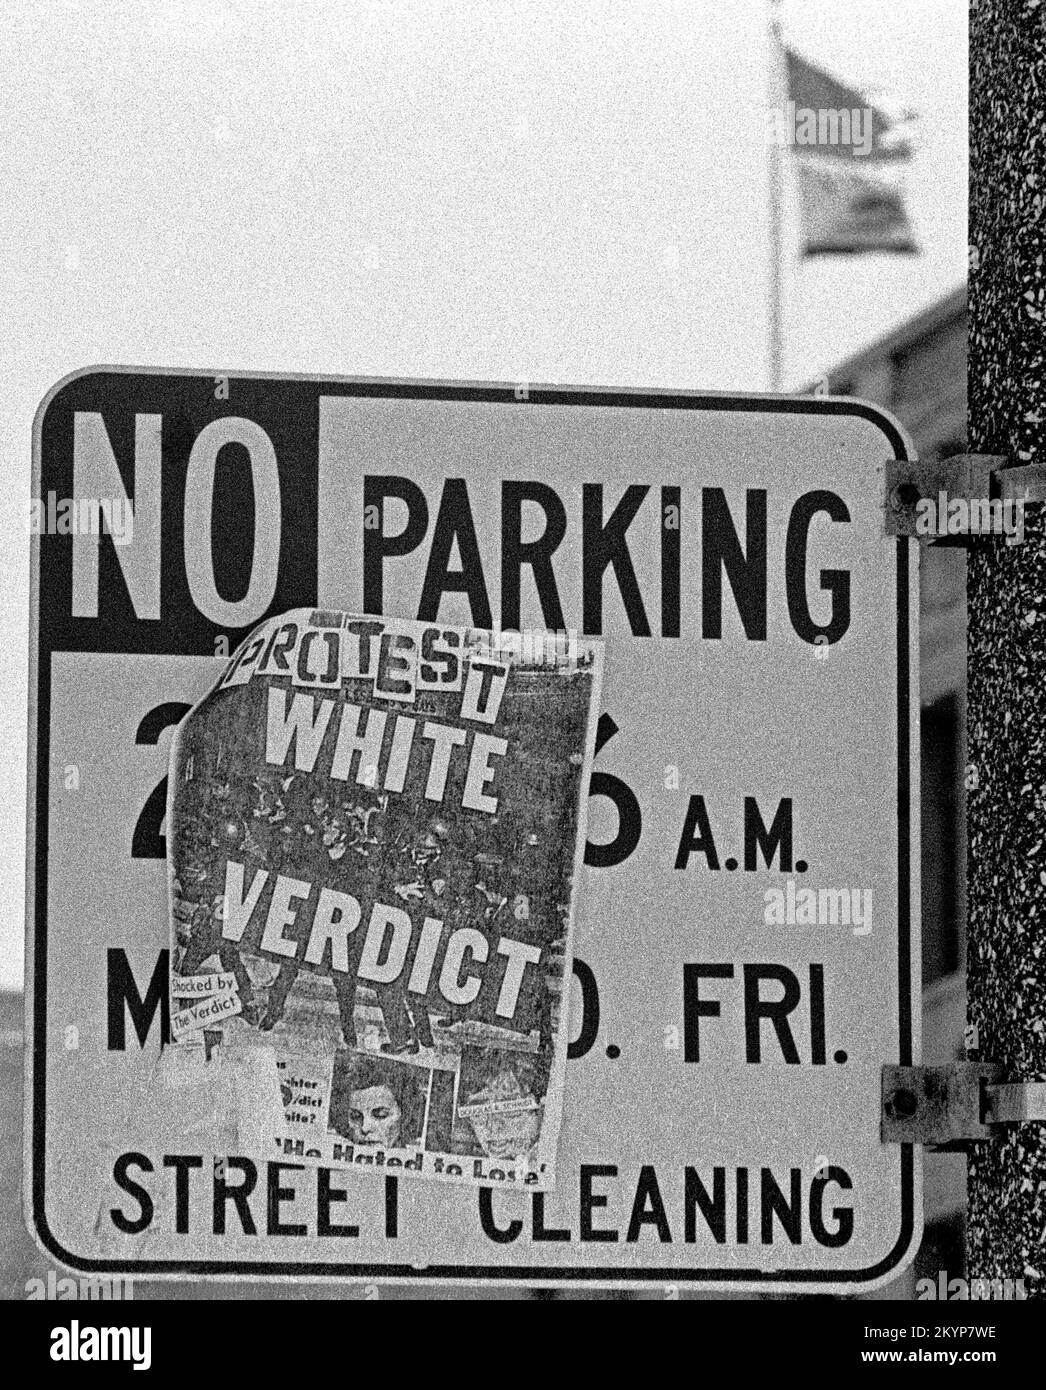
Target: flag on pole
column 849, row 158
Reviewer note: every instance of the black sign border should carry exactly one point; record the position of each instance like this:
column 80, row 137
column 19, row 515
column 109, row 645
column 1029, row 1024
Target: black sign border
column 517, row 396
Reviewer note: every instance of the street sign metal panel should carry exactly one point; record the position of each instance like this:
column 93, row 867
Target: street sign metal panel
column 748, row 920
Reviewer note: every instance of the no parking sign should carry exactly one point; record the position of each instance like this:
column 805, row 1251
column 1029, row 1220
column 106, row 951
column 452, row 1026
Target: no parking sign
column 747, row 916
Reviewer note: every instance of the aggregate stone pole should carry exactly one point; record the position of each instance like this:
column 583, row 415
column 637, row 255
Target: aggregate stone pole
column 1006, row 649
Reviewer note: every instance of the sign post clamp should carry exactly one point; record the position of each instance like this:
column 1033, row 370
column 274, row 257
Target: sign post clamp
column 949, row 1107
column 969, row 478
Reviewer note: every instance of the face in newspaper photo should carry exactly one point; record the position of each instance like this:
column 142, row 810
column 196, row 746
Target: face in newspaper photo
column 501, row 1099
column 376, row 831
column 378, row 1101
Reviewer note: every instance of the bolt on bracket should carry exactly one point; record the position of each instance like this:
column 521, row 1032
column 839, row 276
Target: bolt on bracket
column 952, row 1106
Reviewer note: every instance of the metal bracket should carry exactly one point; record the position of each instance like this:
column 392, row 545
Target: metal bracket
column 966, row 477
column 942, row 1106
column 952, row 1106
column 1016, row 1103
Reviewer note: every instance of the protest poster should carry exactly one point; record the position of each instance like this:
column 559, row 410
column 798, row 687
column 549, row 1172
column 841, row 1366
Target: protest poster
column 374, row 834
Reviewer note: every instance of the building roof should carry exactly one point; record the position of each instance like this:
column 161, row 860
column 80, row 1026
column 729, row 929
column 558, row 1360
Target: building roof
column 950, row 309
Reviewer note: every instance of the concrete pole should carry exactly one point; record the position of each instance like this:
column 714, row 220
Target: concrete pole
column 1006, row 649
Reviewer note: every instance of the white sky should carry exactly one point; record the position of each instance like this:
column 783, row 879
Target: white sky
column 543, row 191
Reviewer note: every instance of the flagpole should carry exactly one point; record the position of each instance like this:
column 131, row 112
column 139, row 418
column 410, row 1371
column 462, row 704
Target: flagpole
column 776, row 98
